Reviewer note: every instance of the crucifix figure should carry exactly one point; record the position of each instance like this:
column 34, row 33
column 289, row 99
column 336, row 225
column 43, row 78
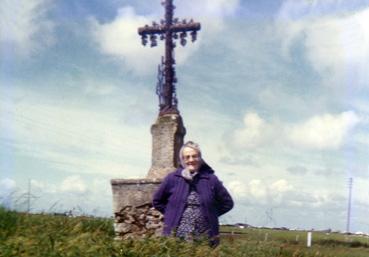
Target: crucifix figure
column 169, row 29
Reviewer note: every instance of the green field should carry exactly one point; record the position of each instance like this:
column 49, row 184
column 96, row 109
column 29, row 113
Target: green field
column 46, row 235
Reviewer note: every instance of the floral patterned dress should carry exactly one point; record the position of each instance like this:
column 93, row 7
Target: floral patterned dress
column 193, row 224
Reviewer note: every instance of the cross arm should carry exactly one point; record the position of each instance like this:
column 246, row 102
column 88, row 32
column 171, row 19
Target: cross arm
column 194, row 26
column 162, row 30
column 149, row 30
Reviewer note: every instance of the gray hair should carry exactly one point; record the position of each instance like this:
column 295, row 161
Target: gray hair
column 192, row 145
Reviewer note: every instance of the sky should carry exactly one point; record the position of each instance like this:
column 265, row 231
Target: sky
column 276, row 93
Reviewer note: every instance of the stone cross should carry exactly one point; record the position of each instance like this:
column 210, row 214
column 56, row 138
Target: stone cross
column 169, row 29
column 134, row 215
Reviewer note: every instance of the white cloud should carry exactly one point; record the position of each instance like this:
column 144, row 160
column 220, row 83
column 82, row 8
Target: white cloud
column 252, row 134
column 336, row 43
column 281, row 194
column 260, row 192
column 237, row 188
column 7, row 188
column 320, row 132
column 120, row 39
column 325, row 131
column 257, row 189
column 40, row 186
column 102, row 186
column 362, row 138
column 73, row 184
column 24, row 26
column 73, row 193
column 281, row 186
column 210, row 13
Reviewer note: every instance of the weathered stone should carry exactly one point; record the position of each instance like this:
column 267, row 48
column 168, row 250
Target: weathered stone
column 122, row 228
column 129, row 219
column 150, row 218
column 135, row 228
column 167, row 139
column 129, row 193
column 154, row 212
column 145, row 207
column 127, row 208
column 153, row 225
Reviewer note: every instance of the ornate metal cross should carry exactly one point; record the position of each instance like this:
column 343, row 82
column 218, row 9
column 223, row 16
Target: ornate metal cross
column 169, row 29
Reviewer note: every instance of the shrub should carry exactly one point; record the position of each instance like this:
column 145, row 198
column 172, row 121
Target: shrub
column 335, row 242
column 8, row 223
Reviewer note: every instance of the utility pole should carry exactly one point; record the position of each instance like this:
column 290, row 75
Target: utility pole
column 349, row 205
column 29, row 197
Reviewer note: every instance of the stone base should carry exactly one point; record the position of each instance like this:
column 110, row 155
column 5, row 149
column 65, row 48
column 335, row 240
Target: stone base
column 133, row 212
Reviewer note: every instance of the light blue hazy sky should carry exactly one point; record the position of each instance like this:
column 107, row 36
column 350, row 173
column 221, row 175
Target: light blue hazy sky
column 276, row 92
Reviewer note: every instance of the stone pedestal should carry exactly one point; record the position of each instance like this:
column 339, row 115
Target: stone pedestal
column 133, row 211
column 167, row 138
column 132, row 198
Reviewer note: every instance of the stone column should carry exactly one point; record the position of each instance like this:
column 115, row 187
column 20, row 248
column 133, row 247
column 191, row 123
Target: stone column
column 167, row 138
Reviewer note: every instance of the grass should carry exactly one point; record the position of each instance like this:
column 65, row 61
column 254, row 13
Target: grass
column 46, row 235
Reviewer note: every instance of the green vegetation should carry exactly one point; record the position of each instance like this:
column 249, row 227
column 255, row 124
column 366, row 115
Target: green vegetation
column 54, row 236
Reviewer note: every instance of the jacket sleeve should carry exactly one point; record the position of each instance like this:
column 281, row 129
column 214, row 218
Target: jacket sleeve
column 161, row 196
column 223, row 198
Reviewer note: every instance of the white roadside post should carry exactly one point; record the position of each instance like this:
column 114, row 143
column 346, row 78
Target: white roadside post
column 309, row 236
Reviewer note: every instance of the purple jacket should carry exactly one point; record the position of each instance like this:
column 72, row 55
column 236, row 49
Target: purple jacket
column 170, row 198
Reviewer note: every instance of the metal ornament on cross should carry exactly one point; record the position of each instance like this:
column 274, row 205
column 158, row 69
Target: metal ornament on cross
column 169, row 29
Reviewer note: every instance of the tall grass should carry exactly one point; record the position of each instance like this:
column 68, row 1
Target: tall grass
column 8, row 223
column 58, row 236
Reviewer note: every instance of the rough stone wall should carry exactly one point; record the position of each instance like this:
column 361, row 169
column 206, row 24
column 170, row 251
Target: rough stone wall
column 167, row 138
column 134, row 216
column 138, row 222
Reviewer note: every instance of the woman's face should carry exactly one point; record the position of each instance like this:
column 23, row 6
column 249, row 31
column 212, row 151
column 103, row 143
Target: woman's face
column 191, row 158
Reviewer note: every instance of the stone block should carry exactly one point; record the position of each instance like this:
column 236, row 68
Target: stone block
column 167, row 138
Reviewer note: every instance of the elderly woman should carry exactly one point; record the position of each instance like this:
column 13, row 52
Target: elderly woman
column 192, row 198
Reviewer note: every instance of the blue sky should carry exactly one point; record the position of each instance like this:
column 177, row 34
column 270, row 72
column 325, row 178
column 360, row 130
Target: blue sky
column 275, row 92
